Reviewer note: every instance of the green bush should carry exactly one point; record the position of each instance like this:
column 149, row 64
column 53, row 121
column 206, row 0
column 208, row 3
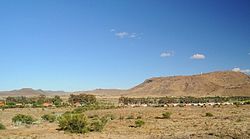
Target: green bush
column 74, row 122
column 166, row 115
column 139, row 123
column 11, row 104
column 22, row 119
column 208, row 114
column 80, row 123
column 97, row 124
column 49, row 117
column 247, row 102
column 2, row 127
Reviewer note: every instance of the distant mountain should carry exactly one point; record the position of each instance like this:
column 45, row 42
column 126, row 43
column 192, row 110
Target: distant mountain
column 226, row 83
column 30, row 92
column 104, row 92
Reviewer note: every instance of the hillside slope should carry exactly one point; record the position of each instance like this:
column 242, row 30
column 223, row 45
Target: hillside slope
column 226, row 83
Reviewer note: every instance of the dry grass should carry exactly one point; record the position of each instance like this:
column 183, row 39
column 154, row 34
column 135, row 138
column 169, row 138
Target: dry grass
column 185, row 122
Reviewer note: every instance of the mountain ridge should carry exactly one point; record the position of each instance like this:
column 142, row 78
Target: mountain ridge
column 219, row 83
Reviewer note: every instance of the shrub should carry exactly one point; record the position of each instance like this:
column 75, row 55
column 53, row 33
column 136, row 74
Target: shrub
column 208, row 114
column 237, row 104
column 130, row 117
column 74, row 122
column 139, row 123
column 247, row 102
column 79, row 123
column 22, row 119
column 166, row 115
column 139, row 117
column 80, row 110
column 97, row 124
column 2, row 127
column 49, row 117
column 121, row 117
column 11, row 104
column 110, row 117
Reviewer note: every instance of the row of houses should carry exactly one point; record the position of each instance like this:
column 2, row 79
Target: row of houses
column 177, row 104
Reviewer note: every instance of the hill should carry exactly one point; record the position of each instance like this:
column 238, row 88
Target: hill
column 227, row 83
column 30, row 92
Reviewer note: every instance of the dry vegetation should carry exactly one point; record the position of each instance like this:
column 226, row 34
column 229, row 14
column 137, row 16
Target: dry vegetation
column 185, row 122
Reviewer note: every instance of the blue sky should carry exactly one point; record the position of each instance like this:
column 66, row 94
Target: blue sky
column 86, row 44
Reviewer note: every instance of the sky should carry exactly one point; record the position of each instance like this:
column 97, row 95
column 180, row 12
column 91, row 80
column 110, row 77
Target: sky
column 86, row 44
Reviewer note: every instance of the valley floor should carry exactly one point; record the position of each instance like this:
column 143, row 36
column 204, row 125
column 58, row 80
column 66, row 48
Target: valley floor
column 185, row 122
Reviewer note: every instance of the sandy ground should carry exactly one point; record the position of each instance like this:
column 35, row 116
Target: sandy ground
column 185, row 122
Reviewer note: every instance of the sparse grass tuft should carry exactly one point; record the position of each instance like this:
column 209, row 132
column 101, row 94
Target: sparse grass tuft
column 49, row 117
column 208, row 114
column 131, row 117
column 139, row 123
column 2, row 127
column 166, row 115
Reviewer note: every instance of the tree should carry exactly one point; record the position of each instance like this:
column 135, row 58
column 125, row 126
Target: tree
column 57, row 101
column 82, row 99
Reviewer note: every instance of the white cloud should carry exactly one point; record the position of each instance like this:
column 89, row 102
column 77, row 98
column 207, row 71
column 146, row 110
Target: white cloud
column 240, row 70
column 248, row 53
column 236, row 69
column 125, row 34
column 198, row 56
column 133, row 35
column 167, row 54
column 112, row 30
column 122, row 34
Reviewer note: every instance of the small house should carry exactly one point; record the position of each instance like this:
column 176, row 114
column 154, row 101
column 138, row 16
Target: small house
column 46, row 104
column 2, row 103
column 77, row 104
column 19, row 104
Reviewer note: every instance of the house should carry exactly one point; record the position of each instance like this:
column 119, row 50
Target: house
column 227, row 103
column 189, row 104
column 19, row 104
column 28, row 105
column 144, row 105
column 77, row 104
column 2, row 103
column 47, row 104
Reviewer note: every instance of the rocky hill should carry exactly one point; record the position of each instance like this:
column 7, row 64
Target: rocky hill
column 226, row 83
